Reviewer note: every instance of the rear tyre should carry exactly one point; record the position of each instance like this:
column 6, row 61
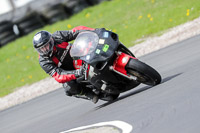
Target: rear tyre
column 144, row 73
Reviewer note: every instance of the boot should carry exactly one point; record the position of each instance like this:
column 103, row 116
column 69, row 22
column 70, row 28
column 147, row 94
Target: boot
column 89, row 96
column 95, row 99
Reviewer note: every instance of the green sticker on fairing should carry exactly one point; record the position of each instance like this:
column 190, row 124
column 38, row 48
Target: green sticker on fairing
column 106, row 47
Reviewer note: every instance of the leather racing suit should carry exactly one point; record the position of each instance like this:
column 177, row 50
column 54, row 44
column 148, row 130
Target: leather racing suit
column 60, row 64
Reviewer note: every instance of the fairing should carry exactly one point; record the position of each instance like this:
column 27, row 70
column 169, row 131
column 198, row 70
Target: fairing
column 84, row 44
column 94, row 46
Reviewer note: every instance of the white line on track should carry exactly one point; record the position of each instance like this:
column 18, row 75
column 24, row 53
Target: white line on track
column 114, row 127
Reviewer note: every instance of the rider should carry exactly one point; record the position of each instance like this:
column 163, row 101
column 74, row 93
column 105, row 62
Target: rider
column 56, row 61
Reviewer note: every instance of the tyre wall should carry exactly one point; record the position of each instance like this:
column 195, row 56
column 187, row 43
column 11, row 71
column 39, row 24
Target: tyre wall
column 37, row 14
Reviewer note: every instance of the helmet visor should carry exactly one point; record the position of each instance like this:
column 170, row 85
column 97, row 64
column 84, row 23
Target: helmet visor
column 46, row 48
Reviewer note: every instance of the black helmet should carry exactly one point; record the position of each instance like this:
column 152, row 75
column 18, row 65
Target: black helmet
column 43, row 42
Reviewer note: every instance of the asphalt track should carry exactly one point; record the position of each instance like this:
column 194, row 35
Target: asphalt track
column 171, row 107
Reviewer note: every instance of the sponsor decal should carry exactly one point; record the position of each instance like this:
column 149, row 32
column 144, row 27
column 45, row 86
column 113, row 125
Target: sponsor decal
column 125, row 59
column 87, row 57
column 64, row 53
column 106, row 47
column 101, row 41
column 37, row 37
column 98, row 51
column 105, row 34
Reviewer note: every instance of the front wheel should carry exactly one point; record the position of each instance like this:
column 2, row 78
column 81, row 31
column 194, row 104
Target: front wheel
column 144, row 73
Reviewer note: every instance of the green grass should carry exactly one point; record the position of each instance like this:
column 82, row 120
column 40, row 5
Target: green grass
column 131, row 19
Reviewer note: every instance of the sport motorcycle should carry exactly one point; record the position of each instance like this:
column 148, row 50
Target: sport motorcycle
column 110, row 68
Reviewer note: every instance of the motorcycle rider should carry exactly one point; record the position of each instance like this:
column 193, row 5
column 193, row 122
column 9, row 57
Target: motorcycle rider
column 55, row 60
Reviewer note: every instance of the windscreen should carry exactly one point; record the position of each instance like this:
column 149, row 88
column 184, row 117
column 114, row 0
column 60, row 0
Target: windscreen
column 84, row 44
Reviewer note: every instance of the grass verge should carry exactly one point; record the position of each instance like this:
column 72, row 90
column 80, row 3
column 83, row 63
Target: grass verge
column 131, row 19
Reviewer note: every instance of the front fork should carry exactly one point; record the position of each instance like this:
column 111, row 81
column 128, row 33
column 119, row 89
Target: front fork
column 120, row 63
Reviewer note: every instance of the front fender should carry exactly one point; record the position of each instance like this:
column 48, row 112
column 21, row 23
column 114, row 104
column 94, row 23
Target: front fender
column 121, row 61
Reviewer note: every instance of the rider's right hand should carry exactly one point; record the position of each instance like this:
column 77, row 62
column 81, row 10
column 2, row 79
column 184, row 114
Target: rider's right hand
column 79, row 72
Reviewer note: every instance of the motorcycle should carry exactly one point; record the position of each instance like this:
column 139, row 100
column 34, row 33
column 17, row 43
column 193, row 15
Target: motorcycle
column 110, row 68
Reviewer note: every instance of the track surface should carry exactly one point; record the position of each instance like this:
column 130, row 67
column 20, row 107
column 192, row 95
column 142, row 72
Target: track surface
column 172, row 106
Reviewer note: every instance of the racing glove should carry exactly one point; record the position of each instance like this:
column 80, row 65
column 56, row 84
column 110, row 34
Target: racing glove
column 80, row 74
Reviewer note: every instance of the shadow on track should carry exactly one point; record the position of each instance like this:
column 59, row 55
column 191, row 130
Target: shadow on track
column 170, row 77
column 134, row 92
column 124, row 96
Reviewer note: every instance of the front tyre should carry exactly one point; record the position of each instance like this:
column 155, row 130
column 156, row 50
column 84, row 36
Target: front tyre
column 144, row 73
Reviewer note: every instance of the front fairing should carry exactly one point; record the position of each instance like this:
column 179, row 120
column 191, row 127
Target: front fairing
column 94, row 46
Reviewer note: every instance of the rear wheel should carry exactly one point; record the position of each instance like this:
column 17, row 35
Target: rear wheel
column 144, row 73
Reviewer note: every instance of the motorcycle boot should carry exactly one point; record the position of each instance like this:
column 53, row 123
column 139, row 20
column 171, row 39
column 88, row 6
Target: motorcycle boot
column 88, row 95
column 72, row 88
column 93, row 97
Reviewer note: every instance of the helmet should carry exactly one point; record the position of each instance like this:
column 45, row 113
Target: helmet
column 43, row 43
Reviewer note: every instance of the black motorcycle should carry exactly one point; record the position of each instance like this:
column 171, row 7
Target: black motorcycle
column 109, row 67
